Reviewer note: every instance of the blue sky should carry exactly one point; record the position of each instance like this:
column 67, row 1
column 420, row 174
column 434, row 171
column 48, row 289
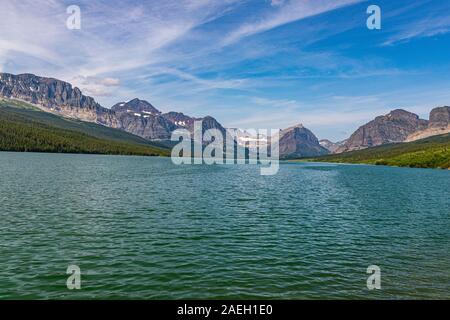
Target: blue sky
column 248, row 63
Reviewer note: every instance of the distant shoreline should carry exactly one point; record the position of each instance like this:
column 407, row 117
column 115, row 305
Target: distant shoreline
column 85, row 153
column 362, row 164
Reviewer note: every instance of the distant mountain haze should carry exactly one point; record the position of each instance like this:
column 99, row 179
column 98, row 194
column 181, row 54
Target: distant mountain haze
column 332, row 147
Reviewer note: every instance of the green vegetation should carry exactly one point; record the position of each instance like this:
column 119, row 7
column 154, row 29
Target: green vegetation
column 433, row 152
column 23, row 127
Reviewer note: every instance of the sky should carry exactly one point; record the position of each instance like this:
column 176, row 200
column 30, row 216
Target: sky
column 248, row 63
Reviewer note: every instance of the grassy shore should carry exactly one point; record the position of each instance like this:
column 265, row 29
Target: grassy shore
column 433, row 152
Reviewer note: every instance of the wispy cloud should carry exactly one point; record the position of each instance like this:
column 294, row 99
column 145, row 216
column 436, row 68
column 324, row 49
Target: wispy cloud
column 427, row 27
column 243, row 61
column 109, row 40
column 285, row 13
column 96, row 86
column 204, row 84
column 276, row 3
column 336, row 110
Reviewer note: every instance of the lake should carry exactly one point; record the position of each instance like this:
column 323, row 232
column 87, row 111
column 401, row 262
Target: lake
column 143, row 228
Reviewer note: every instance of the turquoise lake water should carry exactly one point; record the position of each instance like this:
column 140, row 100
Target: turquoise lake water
column 143, row 228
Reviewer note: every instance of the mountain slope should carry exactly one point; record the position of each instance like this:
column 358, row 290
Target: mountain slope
column 433, row 152
column 391, row 128
column 140, row 118
column 439, row 124
column 25, row 128
column 137, row 116
column 332, row 147
column 297, row 142
column 135, row 105
column 55, row 96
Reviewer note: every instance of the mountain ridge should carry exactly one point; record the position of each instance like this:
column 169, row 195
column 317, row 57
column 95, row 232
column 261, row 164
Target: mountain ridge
column 393, row 127
column 60, row 97
column 398, row 126
column 141, row 118
column 438, row 124
column 24, row 127
column 136, row 116
column 298, row 141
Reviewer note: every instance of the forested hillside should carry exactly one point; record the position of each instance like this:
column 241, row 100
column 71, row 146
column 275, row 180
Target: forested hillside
column 432, row 152
column 26, row 128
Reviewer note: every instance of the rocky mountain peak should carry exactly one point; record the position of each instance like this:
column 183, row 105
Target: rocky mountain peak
column 394, row 127
column 439, row 124
column 331, row 146
column 136, row 106
column 401, row 114
column 297, row 126
column 298, row 141
column 440, row 117
column 177, row 117
column 46, row 92
column 136, row 116
column 55, row 96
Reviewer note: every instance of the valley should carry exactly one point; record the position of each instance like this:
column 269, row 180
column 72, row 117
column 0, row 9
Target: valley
column 49, row 115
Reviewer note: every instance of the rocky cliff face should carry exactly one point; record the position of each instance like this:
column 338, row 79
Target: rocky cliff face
column 55, row 96
column 440, row 117
column 298, row 141
column 151, row 127
column 439, row 124
column 141, row 118
column 332, row 147
column 180, row 120
column 137, row 116
column 393, row 127
column 136, row 105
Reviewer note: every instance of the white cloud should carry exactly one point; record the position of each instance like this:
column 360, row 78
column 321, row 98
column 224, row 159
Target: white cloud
column 168, row 53
column 110, row 82
column 203, row 83
column 418, row 22
column 336, row 110
column 292, row 11
column 96, row 86
column 276, row 3
column 107, row 82
column 114, row 36
column 427, row 27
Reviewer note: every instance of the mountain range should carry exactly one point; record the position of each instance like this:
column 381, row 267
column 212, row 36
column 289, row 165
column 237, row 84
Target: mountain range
column 25, row 128
column 395, row 127
column 144, row 120
column 136, row 116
